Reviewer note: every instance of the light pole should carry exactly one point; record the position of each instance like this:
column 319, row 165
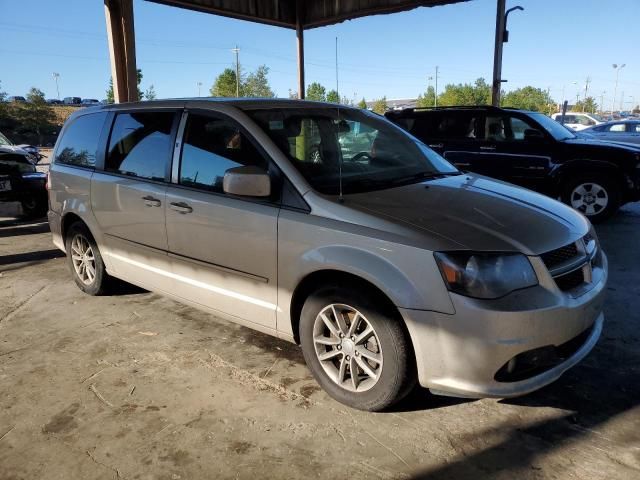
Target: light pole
column 55, row 76
column 199, row 85
column 602, row 101
column 502, row 37
column 617, row 68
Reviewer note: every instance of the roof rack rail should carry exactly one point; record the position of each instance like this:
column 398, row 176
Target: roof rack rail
column 449, row 107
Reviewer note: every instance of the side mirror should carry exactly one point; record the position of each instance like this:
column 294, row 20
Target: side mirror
column 248, row 181
column 531, row 134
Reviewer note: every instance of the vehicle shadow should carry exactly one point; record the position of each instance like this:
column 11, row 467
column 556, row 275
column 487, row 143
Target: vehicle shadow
column 13, row 229
column 20, row 260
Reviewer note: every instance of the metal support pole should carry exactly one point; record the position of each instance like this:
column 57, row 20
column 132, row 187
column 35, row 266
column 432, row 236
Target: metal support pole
column 300, row 43
column 122, row 49
column 497, row 54
column 435, row 97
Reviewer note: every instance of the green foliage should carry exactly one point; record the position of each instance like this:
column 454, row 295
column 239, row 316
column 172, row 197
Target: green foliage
column 478, row 93
column 111, row 95
column 362, row 103
column 36, row 115
column 380, row 106
column 529, row 98
column 428, row 99
column 316, row 92
column 588, row 105
column 225, row 84
column 257, row 84
column 3, row 105
column 150, row 93
column 333, row 96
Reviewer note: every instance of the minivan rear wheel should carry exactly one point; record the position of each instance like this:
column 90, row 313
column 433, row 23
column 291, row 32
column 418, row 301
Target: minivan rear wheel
column 85, row 261
column 356, row 348
column 595, row 196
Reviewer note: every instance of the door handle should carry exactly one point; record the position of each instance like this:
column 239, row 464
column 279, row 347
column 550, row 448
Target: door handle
column 436, row 145
column 181, row 207
column 488, row 149
column 150, row 201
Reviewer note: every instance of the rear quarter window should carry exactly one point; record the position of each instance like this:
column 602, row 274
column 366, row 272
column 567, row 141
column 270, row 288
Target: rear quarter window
column 79, row 143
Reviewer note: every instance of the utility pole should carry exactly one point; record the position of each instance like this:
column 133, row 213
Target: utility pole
column 237, row 52
column 435, row 97
column 622, row 102
column 55, row 76
column 586, row 87
column 602, row 101
column 199, row 85
column 502, row 37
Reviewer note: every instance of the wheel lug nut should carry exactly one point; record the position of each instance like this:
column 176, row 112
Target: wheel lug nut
column 348, row 358
column 339, row 347
column 356, row 353
column 353, row 338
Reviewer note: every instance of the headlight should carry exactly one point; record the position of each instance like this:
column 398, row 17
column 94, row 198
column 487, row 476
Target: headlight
column 485, row 275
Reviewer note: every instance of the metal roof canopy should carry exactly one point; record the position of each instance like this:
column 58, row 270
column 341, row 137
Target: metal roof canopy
column 294, row 14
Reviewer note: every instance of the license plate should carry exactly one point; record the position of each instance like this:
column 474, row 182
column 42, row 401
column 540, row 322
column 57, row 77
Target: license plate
column 5, row 185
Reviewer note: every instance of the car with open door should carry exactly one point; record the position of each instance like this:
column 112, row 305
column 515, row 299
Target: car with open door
column 531, row 150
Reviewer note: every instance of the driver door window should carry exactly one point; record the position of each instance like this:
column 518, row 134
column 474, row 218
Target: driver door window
column 506, row 129
column 211, row 147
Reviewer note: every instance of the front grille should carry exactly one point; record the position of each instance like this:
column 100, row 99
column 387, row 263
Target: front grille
column 539, row 360
column 570, row 280
column 556, row 257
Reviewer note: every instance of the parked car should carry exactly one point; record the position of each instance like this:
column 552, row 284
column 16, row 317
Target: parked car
column 54, row 101
column 89, row 102
column 531, row 150
column 579, row 121
column 385, row 263
column 72, row 101
column 16, row 99
column 30, row 151
column 19, row 180
column 627, row 131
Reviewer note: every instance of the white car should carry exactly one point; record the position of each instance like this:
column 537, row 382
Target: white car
column 578, row 120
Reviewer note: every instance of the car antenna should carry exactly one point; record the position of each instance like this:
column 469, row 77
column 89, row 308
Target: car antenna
column 340, row 197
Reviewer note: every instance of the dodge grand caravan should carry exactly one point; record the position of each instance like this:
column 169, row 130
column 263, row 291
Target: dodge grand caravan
column 385, row 263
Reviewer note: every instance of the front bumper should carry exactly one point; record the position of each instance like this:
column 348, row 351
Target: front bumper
column 461, row 354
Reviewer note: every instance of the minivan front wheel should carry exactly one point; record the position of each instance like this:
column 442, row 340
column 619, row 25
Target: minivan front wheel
column 356, row 348
column 85, row 261
column 595, row 197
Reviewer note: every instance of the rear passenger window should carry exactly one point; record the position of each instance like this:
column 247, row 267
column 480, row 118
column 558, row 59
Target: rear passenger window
column 141, row 144
column 211, row 147
column 79, row 143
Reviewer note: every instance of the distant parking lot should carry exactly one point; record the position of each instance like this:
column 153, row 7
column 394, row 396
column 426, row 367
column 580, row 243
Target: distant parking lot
column 136, row 386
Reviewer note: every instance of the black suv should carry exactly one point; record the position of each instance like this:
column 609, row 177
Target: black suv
column 531, row 150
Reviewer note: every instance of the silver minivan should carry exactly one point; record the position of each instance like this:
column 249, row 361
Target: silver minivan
column 332, row 228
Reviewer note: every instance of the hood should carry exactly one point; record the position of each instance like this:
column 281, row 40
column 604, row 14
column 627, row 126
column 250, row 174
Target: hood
column 595, row 142
column 471, row 212
column 13, row 149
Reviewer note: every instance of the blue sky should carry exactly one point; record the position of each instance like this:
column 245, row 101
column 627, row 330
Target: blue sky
column 554, row 44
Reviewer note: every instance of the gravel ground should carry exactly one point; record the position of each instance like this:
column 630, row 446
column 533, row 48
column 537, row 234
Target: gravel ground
column 136, row 386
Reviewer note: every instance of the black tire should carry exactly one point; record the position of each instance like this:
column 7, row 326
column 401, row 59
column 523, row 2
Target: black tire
column 101, row 282
column 608, row 186
column 396, row 374
column 35, row 207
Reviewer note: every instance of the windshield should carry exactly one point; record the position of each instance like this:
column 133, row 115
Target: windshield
column 371, row 153
column 597, row 117
column 4, row 140
column 554, row 127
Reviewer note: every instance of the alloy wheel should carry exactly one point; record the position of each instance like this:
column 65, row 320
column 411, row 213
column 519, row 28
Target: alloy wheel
column 589, row 198
column 83, row 259
column 347, row 347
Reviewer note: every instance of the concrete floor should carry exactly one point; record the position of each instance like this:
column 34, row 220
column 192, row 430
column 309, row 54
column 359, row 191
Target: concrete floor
column 136, row 386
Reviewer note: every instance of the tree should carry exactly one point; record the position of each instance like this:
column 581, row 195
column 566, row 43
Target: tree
column 36, row 115
column 150, row 93
column 333, row 96
column 428, row 99
column 478, row 93
column 3, row 99
column 380, row 106
column 111, row 95
column 587, row 105
column 225, row 84
column 362, row 104
column 316, row 92
column 257, row 84
column 529, row 98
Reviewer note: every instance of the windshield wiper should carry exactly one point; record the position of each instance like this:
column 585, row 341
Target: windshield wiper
column 418, row 177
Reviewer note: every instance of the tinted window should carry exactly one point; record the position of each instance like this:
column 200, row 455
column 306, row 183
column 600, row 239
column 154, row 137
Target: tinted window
column 141, row 145
column 457, row 125
column 79, row 143
column 503, row 129
column 212, row 146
